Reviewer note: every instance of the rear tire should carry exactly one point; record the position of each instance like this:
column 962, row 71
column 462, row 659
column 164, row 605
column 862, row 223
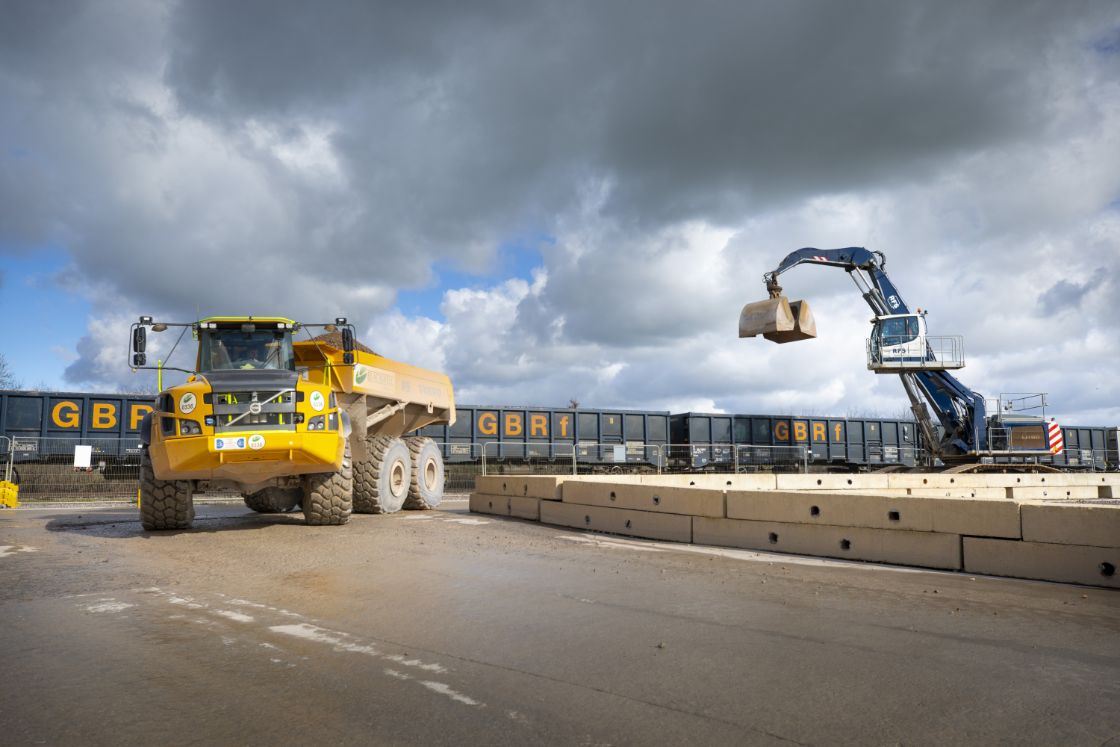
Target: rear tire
column 425, row 490
column 164, row 504
column 381, row 482
column 328, row 497
column 272, row 500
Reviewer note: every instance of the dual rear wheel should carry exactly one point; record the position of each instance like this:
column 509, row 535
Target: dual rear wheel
column 400, row 473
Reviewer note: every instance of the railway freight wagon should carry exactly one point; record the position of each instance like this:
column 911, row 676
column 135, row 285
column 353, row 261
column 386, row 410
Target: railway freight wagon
column 41, row 426
column 723, row 442
column 600, row 438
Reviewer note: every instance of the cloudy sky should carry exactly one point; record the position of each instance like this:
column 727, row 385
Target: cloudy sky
column 569, row 200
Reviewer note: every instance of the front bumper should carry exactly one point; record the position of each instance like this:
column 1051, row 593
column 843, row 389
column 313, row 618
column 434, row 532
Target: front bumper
column 246, row 456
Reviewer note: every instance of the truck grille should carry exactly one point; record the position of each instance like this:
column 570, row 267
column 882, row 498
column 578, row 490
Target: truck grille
column 253, row 410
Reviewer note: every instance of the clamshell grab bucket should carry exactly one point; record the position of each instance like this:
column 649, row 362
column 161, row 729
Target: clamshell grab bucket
column 778, row 320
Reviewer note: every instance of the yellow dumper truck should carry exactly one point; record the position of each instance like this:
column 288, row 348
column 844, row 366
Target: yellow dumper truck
column 318, row 424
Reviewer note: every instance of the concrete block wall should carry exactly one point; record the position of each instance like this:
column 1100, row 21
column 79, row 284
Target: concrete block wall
column 1012, row 525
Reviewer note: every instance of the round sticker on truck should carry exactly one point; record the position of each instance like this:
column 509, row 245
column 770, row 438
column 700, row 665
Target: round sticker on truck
column 256, row 441
column 317, row 402
column 187, row 403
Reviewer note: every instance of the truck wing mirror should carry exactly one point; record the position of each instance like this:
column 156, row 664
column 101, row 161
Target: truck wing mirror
column 347, row 340
column 139, row 359
column 139, row 339
column 348, row 359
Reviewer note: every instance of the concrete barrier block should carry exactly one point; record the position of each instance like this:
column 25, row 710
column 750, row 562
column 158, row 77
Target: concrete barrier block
column 1056, row 492
column 1097, row 525
column 955, row 492
column 1078, row 564
column 831, row 508
column 832, row 482
column 925, row 549
column 760, row 481
column 977, row 517
column 947, row 480
column 659, row 526
column 546, row 487
column 656, row 498
column 482, row 503
column 525, row 508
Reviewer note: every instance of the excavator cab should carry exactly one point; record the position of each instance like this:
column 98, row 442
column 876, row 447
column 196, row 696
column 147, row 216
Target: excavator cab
column 778, row 319
column 899, row 340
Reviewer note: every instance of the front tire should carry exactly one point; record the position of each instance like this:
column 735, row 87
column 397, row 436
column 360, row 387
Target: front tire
column 425, row 491
column 381, row 482
column 164, row 504
column 328, row 497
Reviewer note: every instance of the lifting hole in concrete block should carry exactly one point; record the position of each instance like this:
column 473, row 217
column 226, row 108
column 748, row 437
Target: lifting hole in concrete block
column 814, row 510
column 691, row 482
column 503, row 486
column 613, row 496
column 587, row 519
column 773, row 538
column 628, row 524
column 893, row 515
column 657, row 500
column 845, row 545
column 819, row 482
column 849, row 481
column 1108, row 570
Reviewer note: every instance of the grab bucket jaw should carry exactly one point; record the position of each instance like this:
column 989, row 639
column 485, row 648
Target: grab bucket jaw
column 778, row 320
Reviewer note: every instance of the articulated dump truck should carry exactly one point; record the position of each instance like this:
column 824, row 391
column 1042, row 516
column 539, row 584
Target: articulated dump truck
column 319, row 424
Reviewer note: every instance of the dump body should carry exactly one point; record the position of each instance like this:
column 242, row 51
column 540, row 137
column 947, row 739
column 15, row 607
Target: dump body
column 383, row 397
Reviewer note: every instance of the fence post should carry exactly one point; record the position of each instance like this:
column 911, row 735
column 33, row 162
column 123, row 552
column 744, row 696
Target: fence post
column 484, row 457
column 575, row 470
column 8, row 464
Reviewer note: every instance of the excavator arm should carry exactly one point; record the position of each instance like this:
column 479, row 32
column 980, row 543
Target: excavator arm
column 960, row 411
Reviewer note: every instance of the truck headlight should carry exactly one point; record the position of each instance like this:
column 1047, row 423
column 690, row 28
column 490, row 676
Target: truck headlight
column 189, row 428
column 317, row 423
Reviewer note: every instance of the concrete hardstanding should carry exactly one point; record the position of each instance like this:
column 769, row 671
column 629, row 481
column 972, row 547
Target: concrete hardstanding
column 1079, row 564
column 1072, row 524
column 926, row 549
column 669, row 527
column 656, row 498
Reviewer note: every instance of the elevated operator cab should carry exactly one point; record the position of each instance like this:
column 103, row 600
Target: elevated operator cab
column 899, row 342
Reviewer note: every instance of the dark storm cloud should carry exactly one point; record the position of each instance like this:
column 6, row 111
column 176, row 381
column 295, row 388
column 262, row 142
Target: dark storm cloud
column 311, row 159
column 708, row 109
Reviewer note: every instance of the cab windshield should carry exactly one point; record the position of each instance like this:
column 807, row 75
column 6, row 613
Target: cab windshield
column 898, row 330
column 233, row 349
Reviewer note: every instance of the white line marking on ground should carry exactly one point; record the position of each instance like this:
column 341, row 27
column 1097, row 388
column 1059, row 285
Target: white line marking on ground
column 618, row 544
column 417, row 517
column 342, row 642
column 443, row 689
column 6, row 550
column 109, row 605
column 237, row 616
column 468, row 522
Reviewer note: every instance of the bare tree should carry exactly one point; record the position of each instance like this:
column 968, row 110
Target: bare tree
column 8, row 379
